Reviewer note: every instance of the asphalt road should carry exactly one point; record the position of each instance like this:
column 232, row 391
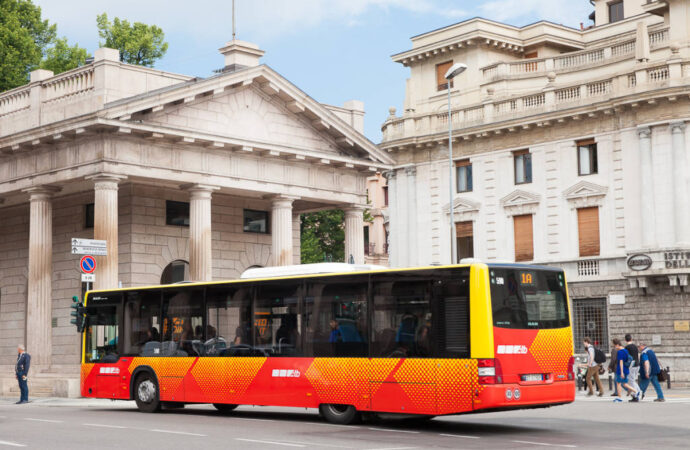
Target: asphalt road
column 587, row 423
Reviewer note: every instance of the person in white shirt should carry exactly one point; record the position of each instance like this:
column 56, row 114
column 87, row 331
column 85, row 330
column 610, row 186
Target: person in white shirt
column 592, row 369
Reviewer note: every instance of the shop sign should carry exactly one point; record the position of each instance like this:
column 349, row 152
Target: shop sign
column 677, row 260
column 639, row 261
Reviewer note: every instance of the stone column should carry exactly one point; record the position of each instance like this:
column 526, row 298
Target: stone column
column 39, row 310
column 105, row 227
column 200, row 248
column 413, row 257
column 392, row 219
column 354, row 234
column 680, row 191
column 647, row 188
column 281, row 230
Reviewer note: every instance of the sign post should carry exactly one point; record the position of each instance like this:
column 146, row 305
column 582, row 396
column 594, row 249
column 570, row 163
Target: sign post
column 87, row 265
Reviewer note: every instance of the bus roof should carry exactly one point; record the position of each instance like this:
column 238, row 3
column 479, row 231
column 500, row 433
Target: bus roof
column 307, row 269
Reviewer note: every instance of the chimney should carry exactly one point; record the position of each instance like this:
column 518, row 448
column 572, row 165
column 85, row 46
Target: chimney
column 240, row 54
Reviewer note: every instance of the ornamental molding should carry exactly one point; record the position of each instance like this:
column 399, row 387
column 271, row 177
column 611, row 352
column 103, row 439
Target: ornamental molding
column 463, row 205
column 520, row 202
column 585, row 194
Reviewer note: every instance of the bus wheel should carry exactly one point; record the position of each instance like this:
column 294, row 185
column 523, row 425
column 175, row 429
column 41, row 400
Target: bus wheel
column 146, row 394
column 224, row 407
column 339, row 414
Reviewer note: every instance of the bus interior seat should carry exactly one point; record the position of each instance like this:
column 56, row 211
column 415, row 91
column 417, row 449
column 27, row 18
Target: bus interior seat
column 151, row 348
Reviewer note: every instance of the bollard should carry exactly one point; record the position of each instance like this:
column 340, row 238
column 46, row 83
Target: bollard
column 668, row 377
column 610, row 383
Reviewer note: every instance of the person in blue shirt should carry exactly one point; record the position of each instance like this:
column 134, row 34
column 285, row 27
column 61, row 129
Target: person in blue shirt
column 649, row 371
column 335, row 336
column 622, row 371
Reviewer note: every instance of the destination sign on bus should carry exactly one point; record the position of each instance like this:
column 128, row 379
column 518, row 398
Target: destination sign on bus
column 527, row 278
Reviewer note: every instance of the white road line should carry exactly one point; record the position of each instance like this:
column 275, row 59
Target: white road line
column 11, row 444
column 285, row 444
column 393, row 448
column 460, row 436
column 103, row 425
column 394, row 431
column 43, row 420
column 155, row 430
column 545, row 444
column 256, row 420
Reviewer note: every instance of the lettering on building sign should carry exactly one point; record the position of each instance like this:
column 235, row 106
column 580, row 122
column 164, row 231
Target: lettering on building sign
column 677, row 260
column 639, row 262
column 681, row 325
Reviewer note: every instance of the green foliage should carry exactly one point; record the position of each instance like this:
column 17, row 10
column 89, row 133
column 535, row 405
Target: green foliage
column 138, row 43
column 323, row 236
column 61, row 57
column 23, row 40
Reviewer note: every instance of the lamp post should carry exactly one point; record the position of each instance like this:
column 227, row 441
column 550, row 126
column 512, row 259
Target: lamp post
column 455, row 70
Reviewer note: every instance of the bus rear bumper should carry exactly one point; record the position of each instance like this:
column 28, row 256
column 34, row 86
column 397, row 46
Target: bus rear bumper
column 516, row 395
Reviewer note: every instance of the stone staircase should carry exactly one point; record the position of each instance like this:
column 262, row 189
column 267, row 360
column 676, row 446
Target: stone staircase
column 49, row 382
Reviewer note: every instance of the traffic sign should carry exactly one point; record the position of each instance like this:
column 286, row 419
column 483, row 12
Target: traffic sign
column 87, row 264
column 89, row 247
column 88, row 277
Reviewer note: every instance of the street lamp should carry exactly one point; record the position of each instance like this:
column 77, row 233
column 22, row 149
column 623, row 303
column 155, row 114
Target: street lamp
column 455, row 70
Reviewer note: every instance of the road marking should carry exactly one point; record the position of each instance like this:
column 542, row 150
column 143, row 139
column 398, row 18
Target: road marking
column 285, row 444
column 545, row 444
column 352, row 427
column 155, row 430
column 103, row 425
column 43, row 420
column 460, row 436
column 394, row 431
column 256, row 420
column 11, row 444
column 393, row 448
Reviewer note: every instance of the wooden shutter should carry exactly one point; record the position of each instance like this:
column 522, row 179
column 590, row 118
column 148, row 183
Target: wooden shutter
column 463, row 229
column 441, row 70
column 588, row 230
column 524, row 245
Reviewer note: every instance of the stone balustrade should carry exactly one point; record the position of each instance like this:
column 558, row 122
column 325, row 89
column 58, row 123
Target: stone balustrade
column 69, row 84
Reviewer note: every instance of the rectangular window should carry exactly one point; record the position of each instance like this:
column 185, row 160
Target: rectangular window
column 142, row 323
column 88, row 215
column 402, row 315
column 228, row 321
column 465, row 239
column 441, row 69
column 367, row 249
column 463, row 175
column 335, row 317
column 255, row 221
column 590, row 320
column 587, row 157
column 588, row 230
column 523, row 166
column 524, row 246
column 616, row 11
column 183, row 317
column 276, row 323
column 177, row 213
column 102, row 327
column 385, row 195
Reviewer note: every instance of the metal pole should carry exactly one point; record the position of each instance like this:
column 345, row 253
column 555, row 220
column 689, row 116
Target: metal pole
column 453, row 244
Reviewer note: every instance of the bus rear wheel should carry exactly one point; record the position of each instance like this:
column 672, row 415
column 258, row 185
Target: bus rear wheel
column 146, row 394
column 224, row 407
column 339, row 414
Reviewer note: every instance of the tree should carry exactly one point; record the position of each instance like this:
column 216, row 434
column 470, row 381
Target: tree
column 23, row 40
column 322, row 236
column 138, row 43
column 61, row 57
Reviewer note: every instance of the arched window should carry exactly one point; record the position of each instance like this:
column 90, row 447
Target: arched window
column 176, row 271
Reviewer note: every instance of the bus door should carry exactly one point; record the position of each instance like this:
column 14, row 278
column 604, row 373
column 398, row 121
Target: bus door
column 403, row 374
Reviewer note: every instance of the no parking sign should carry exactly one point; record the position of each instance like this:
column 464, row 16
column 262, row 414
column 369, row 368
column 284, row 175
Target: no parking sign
column 87, row 264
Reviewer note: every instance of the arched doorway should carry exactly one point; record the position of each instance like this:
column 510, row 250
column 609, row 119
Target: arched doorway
column 175, row 272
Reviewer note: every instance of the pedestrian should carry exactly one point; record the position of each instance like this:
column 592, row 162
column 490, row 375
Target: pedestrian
column 592, row 369
column 635, row 366
column 649, row 371
column 22, row 372
column 612, row 369
column 622, row 370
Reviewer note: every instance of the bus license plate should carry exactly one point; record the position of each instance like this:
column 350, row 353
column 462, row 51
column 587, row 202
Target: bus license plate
column 533, row 377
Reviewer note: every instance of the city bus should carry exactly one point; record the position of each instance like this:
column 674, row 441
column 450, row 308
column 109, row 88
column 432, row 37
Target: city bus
column 424, row 341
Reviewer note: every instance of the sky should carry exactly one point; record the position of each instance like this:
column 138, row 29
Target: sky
column 334, row 50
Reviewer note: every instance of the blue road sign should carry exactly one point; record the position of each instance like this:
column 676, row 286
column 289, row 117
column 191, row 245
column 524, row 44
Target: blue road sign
column 87, row 264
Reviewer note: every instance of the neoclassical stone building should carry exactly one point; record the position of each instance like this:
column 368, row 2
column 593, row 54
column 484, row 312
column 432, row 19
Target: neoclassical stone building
column 185, row 178
column 570, row 148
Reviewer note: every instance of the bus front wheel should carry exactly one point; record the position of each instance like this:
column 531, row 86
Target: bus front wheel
column 146, row 394
column 224, row 407
column 339, row 414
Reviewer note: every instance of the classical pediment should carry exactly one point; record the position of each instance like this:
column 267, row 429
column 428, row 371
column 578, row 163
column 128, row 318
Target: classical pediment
column 584, row 189
column 520, row 198
column 462, row 205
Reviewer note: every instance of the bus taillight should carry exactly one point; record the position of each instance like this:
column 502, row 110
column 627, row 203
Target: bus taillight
column 571, row 368
column 489, row 371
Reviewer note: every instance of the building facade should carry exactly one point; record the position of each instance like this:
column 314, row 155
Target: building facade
column 376, row 229
column 570, row 148
column 185, row 178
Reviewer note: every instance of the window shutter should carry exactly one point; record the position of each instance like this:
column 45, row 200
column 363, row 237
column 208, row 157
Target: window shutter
column 524, row 246
column 463, row 229
column 441, row 70
column 588, row 230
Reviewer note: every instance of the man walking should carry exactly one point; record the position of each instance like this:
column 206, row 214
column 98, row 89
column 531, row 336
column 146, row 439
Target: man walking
column 592, row 369
column 634, row 367
column 622, row 370
column 649, row 371
column 22, row 372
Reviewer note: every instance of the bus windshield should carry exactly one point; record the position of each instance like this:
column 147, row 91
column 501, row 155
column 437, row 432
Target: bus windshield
column 528, row 298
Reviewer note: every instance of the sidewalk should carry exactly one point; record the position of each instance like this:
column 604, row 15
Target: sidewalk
column 79, row 402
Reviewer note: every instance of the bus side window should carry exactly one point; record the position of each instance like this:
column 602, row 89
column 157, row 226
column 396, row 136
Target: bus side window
column 142, row 323
column 183, row 317
column 277, row 320
column 228, row 321
column 452, row 298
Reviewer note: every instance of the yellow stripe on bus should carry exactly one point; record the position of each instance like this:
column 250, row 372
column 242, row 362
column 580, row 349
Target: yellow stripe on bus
column 481, row 319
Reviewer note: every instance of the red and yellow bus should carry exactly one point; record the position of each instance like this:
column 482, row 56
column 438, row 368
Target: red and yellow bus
column 421, row 341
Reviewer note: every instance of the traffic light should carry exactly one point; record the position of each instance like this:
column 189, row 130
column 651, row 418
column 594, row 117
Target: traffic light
column 77, row 314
